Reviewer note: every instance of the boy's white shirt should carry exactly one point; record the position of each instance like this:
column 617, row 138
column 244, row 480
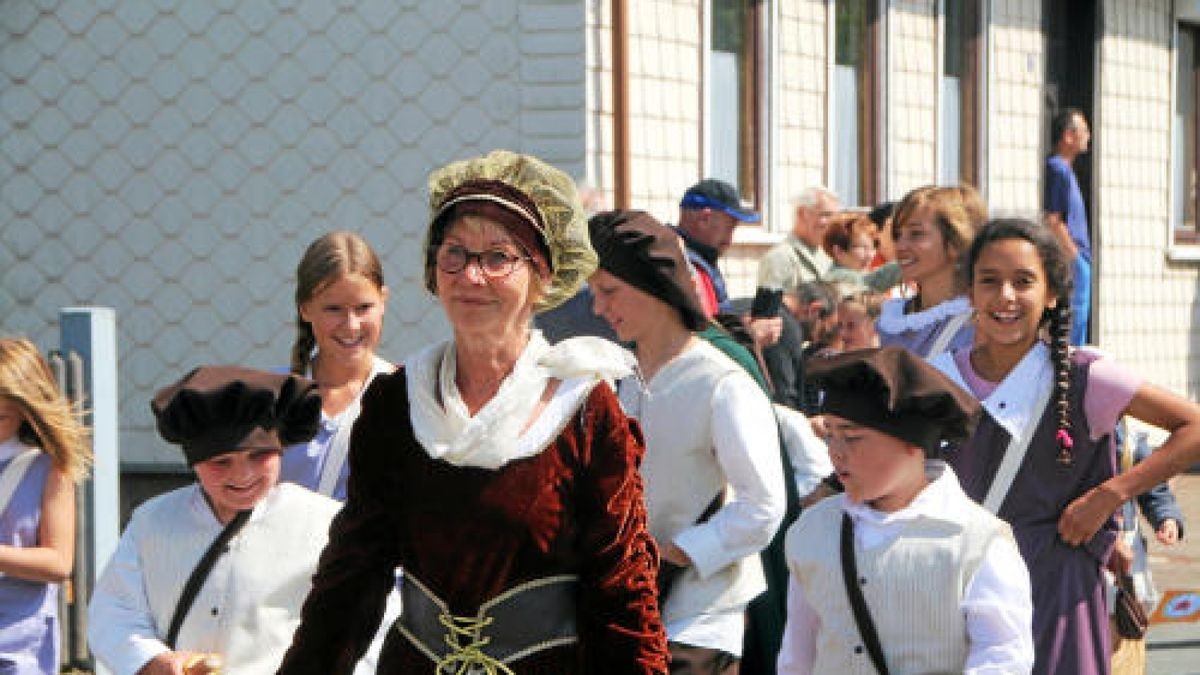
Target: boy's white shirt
column 997, row 602
column 128, row 613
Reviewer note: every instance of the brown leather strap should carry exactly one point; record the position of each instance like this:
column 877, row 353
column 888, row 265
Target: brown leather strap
column 862, row 614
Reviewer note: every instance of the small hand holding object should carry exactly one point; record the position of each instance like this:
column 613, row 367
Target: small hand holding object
column 1168, row 532
column 182, row 663
column 1121, row 560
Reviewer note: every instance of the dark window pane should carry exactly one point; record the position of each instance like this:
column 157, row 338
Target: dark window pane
column 728, row 25
column 952, row 60
column 851, row 32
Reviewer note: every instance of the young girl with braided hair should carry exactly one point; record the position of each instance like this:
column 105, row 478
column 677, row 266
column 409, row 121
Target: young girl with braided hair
column 340, row 298
column 1046, row 437
column 44, row 450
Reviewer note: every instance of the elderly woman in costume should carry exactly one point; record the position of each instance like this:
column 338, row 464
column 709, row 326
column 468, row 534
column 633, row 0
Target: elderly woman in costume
column 499, row 472
column 714, row 481
column 216, row 572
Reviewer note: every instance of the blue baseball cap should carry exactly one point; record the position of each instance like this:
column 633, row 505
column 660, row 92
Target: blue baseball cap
column 712, row 193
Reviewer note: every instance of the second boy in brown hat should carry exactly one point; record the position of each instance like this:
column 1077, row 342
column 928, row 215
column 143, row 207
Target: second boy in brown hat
column 903, row 573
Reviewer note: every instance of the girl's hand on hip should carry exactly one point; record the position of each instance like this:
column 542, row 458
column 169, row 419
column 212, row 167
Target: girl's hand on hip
column 1086, row 515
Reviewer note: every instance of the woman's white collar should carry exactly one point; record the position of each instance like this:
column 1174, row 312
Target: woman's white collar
column 496, row 434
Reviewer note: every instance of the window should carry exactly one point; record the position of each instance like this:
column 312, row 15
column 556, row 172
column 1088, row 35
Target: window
column 734, row 67
column 958, row 136
column 1184, row 150
column 855, row 94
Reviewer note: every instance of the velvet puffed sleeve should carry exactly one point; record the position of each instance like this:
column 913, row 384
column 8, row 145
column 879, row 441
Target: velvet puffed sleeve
column 620, row 627
column 356, row 569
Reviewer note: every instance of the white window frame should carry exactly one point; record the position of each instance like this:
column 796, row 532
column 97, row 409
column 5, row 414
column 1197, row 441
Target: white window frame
column 983, row 79
column 879, row 124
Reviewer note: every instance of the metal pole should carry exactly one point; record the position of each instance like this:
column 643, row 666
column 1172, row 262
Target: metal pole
column 81, row 577
column 66, row 594
column 620, row 79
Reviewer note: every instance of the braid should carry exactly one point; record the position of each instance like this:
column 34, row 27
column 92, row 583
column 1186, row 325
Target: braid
column 1060, row 331
column 303, row 346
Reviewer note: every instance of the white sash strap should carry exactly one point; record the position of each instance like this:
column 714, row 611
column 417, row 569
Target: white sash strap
column 10, row 479
column 1014, row 454
column 339, row 446
column 947, row 334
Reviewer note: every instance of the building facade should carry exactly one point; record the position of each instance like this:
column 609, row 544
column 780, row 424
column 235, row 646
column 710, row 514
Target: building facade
column 173, row 159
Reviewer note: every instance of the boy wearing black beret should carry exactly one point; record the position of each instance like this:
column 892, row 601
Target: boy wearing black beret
column 216, row 572
column 903, row 573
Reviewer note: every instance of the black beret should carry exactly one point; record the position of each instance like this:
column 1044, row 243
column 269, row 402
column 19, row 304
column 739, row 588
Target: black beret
column 214, row 410
column 644, row 253
column 895, row 391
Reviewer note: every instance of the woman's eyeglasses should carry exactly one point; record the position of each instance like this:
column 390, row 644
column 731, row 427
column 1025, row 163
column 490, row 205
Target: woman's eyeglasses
column 495, row 263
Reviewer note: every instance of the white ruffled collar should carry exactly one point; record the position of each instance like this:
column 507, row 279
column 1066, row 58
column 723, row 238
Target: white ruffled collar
column 495, row 435
column 1014, row 401
column 893, row 319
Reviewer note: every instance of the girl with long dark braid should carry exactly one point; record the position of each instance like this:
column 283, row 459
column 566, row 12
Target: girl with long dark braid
column 1046, row 437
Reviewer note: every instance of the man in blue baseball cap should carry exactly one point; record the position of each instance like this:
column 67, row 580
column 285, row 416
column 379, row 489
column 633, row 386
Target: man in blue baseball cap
column 708, row 213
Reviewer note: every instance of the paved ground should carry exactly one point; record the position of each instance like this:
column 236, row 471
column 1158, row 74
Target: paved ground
column 1174, row 649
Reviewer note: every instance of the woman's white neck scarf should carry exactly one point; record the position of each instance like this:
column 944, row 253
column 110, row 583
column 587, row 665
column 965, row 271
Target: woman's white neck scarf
column 497, row 434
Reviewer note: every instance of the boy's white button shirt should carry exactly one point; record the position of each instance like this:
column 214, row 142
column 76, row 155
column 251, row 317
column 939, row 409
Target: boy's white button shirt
column 248, row 606
column 997, row 603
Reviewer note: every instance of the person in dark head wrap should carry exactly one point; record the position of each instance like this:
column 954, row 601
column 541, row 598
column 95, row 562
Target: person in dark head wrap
column 215, row 573
column 714, row 481
column 903, row 572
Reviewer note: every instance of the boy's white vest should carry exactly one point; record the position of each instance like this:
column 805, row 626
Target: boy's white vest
column 913, row 587
column 250, row 604
column 682, row 474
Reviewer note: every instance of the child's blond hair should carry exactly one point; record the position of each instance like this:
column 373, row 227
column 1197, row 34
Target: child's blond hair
column 51, row 422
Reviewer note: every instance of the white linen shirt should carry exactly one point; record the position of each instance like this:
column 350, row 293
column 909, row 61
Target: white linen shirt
column 997, row 602
column 745, row 442
column 248, row 607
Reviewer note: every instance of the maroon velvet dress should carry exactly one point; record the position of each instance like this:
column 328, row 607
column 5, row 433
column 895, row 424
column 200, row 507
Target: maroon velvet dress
column 1070, row 616
column 470, row 533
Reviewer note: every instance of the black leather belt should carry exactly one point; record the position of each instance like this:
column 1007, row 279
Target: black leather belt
column 521, row 621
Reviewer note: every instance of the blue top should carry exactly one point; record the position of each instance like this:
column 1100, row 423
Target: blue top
column 1063, row 197
column 29, row 638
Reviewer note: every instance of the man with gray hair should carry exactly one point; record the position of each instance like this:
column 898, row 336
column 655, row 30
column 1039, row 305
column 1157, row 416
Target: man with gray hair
column 800, row 258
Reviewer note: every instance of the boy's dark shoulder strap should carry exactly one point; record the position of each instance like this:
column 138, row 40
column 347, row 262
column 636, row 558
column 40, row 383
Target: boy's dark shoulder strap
column 862, row 614
column 200, row 573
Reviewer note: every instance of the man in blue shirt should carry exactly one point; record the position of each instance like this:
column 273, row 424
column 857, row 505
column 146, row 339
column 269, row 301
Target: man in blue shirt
column 1066, row 215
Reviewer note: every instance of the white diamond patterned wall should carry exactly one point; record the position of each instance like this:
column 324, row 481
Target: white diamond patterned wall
column 172, row 159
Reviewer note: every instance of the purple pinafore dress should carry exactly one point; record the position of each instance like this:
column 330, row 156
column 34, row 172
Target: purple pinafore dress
column 1070, row 617
column 29, row 639
column 945, row 327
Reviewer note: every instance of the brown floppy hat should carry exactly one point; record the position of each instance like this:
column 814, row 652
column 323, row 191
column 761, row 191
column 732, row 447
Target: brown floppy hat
column 646, row 254
column 214, row 410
